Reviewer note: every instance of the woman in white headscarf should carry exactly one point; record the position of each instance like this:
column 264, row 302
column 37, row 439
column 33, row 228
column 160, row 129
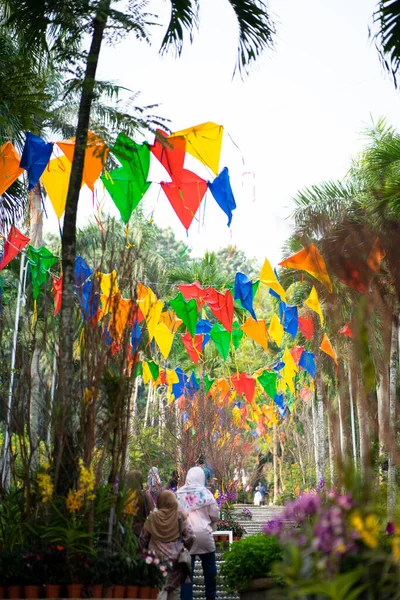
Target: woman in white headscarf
column 202, row 510
column 154, row 482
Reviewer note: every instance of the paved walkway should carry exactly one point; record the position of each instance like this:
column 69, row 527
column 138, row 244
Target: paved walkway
column 261, row 515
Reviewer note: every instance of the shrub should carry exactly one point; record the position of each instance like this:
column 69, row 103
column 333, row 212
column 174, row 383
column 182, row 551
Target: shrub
column 250, row 558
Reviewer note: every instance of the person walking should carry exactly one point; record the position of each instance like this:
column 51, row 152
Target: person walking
column 203, row 512
column 203, row 465
column 143, row 503
column 166, row 531
column 154, row 482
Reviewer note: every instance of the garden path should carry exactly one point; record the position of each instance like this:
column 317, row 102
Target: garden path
column 261, row 515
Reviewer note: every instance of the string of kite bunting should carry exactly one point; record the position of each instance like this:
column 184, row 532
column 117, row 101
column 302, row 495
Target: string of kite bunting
column 101, row 303
column 50, row 164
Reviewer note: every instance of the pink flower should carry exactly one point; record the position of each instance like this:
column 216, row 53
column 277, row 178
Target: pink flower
column 156, row 561
column 149, row 560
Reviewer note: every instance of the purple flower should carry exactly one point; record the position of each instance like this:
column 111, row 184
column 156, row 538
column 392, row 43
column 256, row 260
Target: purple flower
column 274, row 527
column 390, row 528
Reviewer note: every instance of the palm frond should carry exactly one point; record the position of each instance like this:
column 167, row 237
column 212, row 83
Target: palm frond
column 387, row 38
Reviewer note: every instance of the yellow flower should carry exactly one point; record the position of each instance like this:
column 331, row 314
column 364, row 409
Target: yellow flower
column 396, row 548
column 368, row 529
column 216, row 495
column 341, row 548
column 87, row 481
column 46, row 487
column 356, row 522
column 74, row 501
column 131, row 505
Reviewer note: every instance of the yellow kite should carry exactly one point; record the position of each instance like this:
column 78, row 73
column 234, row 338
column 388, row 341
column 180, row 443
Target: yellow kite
column 55, row 179
column 257, row 331
column 204, row 143
column 309, row 260
column 153, row 317
column 312, row 302
column 108, row 283
column 275, row 330
column 268, row 278
column 164, row 338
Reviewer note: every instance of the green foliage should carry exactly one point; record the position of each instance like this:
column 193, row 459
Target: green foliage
column 250, row 558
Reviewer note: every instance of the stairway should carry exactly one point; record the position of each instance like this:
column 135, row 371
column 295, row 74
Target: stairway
column 261, row 515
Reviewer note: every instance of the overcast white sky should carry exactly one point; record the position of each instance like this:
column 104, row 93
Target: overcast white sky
column 297, row 119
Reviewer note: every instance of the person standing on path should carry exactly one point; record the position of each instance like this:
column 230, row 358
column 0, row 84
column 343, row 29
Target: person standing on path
column 143, row 501
column 203, row 465
column 203, row 512
column 165, row 532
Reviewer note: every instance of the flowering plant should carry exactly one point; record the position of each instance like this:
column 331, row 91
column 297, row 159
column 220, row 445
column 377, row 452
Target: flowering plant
column 247, row 513
column 152, row 571
column 337, row 539
column 226, row 499
column 230, row 525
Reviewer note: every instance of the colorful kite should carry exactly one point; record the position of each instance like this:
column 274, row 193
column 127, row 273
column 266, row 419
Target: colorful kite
column 222, row 339
column 164, row 338
column 35, row 156
column 307, row 363
column 268, row 278
column 221, row 306
column 312, row 303
column 346, row 330
column 203, row 142
column 40, row 262
column 257, row 331
column 187, row 311
column 57, row 290
column 82, row 271
column 193, row 346
column 244, row 386
column 244, row 293
column 55, row 179
column 268, row 380
column 185, row 196
column 125, row 189
column 171, row 153
column 375, row 256
column 289, row 318
column 326, row 347
column 9, row 166
column 95, row 157
column 14, row 244
column 311, row 261
column 222, row 193
column 306, row 326
column 275, row 330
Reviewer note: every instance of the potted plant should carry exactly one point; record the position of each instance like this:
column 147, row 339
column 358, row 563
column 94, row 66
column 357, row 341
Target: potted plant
column 32, row 577
column 13, row 572
column 118, row 566
column 152, row 573
column 247, row 514
column 248, row 566
column 54, row 560
column 230, row 525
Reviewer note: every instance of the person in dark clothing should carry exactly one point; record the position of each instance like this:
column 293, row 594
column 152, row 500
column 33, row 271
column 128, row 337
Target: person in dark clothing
column 145, row 504
column 174, row 481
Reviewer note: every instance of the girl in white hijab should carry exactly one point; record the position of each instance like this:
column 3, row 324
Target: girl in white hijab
column 202, row 510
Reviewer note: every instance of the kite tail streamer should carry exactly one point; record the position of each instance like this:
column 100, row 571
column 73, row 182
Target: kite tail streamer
column 128, row 244
column 34, row 316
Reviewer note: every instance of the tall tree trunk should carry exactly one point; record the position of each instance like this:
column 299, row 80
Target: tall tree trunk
column 275, row 462
column 36, row 387
column 319, row 430
column 331, row 448
column 343, row 409
column 352, row 416
column 391, row 486
column 383, row 413
column 66, row 364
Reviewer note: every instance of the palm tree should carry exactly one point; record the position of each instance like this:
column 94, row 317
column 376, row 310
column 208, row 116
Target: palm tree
column 64, row 24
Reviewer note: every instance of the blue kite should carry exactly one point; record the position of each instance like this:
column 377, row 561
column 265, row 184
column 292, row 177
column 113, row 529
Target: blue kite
column 307, row 363
column 280, row 403
column 244, row 293
column 204, row 327
column 222, row 192
column 289, row 318
column 136, row 337
column 89, row 300
column 82, row 271
column 35, row 157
